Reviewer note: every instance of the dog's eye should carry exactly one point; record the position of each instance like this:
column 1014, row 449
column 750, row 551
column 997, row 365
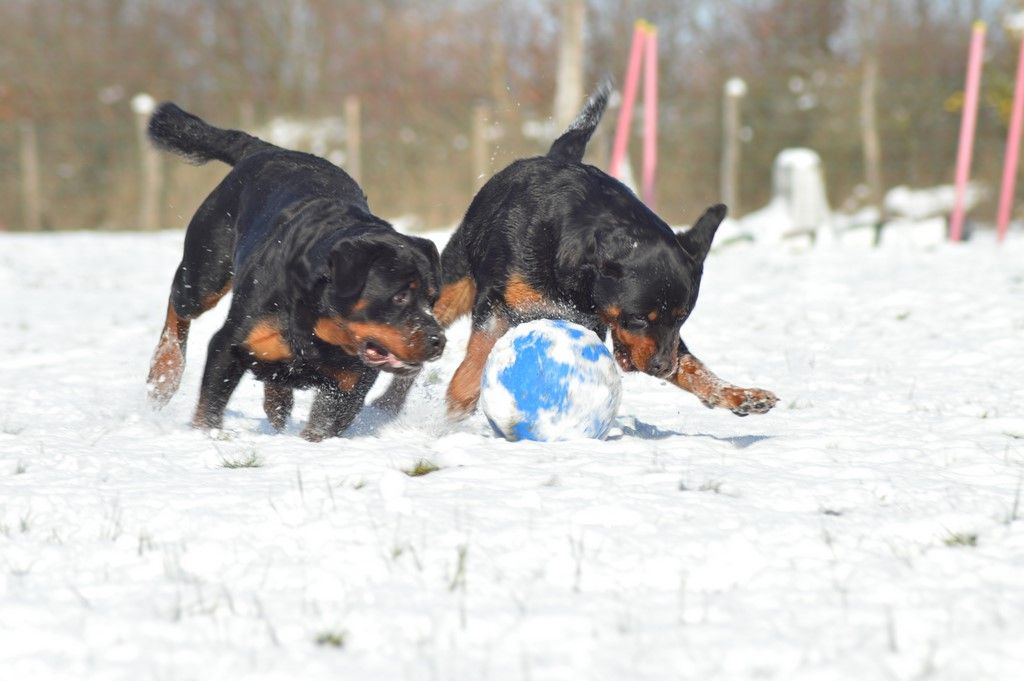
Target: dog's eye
column 401, row 298
column 635, row 322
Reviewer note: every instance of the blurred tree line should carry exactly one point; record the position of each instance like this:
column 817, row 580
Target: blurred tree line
column 421, row 69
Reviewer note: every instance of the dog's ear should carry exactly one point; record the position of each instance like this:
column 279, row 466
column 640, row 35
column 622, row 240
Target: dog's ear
column 350, row 262
column 696, row 241
column 430, row 265
column 307, row 275
column 341, row 264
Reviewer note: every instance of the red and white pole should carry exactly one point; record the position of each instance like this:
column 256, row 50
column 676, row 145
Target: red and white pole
column 650, row 160
column 636, row 52
column 967, row 126
column 1012, row 151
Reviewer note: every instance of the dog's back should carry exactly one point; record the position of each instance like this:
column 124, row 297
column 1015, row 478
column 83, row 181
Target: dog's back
column 265, row 179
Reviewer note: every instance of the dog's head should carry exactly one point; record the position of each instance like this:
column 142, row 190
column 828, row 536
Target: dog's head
column 646, row 286
column 369, row 291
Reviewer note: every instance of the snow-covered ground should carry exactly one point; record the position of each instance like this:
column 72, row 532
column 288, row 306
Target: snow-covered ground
column 871, row 527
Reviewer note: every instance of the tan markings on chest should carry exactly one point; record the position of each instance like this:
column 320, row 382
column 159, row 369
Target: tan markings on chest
column 520, row 295
column 266, row 343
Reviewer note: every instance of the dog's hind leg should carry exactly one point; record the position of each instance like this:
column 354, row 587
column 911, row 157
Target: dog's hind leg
column 693, row 376
column 203, row 277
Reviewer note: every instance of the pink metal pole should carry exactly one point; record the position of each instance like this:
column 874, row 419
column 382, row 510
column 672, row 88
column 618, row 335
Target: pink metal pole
column 1012, row 151
column 628, row 98
column 650, row 117
column 967, row 124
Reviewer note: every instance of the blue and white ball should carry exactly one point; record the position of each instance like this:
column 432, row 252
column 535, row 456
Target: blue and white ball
column 550, row 380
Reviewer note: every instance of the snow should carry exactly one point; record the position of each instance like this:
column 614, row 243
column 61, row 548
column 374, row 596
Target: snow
column 919, row 204
column 868, row 528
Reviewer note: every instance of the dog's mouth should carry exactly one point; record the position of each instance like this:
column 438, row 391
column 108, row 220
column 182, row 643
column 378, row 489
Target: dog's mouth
column 377, row 356
column 623, row 359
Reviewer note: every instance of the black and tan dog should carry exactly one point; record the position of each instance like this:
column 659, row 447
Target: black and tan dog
column 326, row 294
column 553, row 237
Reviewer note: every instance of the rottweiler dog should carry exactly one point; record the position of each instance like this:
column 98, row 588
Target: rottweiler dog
column 326, row 294
column 552, row 237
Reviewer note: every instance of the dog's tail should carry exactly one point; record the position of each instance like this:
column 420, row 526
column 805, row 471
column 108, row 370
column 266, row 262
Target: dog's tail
column 573, row 142
column 178, row 131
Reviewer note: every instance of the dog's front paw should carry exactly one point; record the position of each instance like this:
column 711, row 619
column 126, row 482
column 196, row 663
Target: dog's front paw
column 745, row 401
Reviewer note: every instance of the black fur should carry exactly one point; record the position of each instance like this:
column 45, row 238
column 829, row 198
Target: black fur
column 326, row 294
column 552, row 237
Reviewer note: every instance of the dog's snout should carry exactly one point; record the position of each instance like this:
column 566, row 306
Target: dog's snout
column 661, row 365
column 657, row 366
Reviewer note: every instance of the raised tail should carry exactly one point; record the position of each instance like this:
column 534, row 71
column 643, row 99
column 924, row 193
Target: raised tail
column 573, row 142
column 178, row 131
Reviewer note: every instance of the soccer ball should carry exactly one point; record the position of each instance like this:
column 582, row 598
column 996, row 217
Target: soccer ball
column 550, row 380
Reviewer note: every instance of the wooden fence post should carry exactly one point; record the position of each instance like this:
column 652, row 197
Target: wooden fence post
column 30, row 192
column 149, row 165
column 569, row 81
column 735, row 89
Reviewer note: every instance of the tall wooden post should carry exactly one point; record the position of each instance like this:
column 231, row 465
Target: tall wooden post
column 735, row 89
column 870, row 139
column 30, row 192
column 150, row 166
column 569, row 80
column 353, row 138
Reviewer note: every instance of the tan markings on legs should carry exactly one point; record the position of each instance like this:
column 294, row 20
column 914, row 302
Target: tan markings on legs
column 464, row 390
column 209, row 301
column 266, row 343
column 168, row 361
column 347, row 380
column 278, row 401
column 693, row 376
column 456, row 299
